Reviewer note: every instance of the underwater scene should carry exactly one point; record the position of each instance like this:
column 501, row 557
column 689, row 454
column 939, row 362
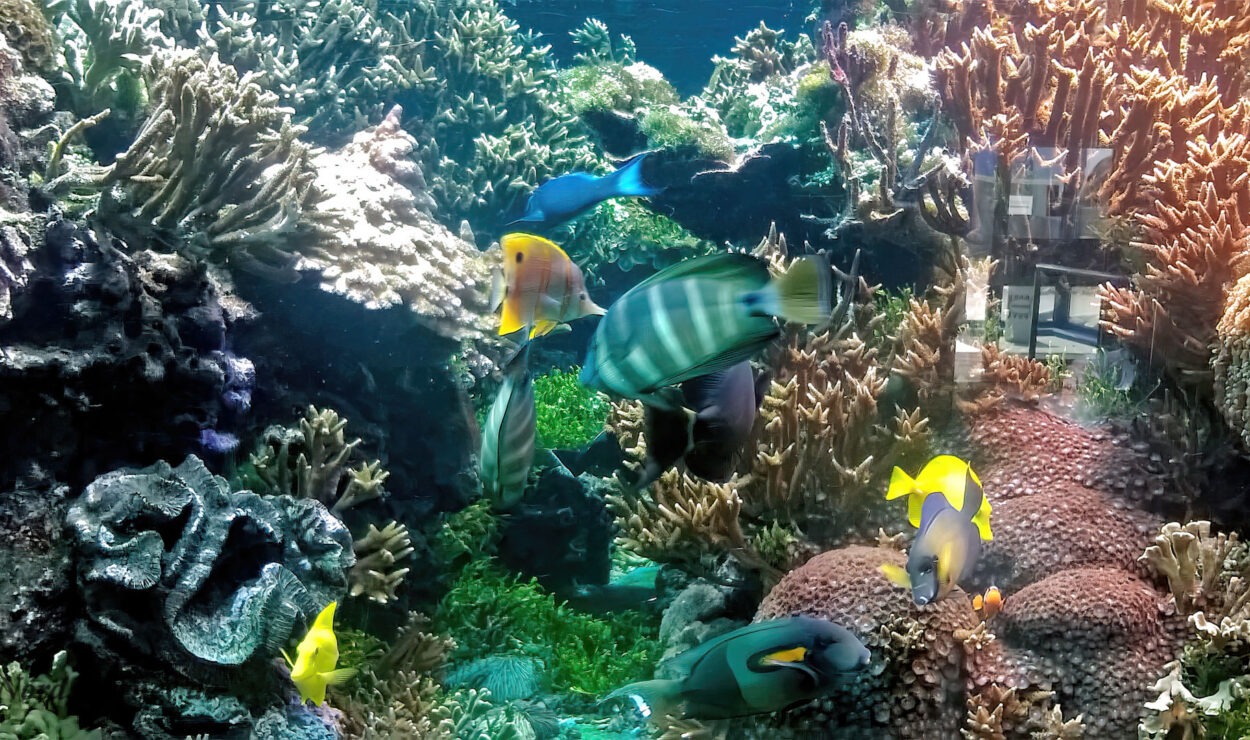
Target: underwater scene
column 640, row 369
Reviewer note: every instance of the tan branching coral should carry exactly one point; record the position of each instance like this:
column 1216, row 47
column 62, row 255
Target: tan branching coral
column 374, row 575
column 217, row 168
column 1194, row 560
column 1014, row 376
column 685, row 520
column 312, row 462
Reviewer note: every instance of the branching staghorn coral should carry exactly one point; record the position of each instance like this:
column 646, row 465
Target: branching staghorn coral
column 105, row 45
column 312, row 462
column 374, row 575
column 216, row 170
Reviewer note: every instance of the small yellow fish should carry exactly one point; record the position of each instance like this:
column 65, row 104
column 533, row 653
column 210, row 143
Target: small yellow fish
column 989, row 604
column 313, row 668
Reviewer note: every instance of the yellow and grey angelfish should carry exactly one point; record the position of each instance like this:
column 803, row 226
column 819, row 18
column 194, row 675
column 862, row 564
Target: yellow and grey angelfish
column 763, row 667
column 948, row 540
column 949, row 476
column 508, row 436
column 315, row 657
column 701, row 316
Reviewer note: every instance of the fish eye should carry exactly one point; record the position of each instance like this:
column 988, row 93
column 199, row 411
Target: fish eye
column 519, row 257
column 582, row 296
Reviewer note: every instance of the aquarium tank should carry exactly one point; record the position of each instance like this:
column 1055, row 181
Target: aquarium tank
column 639, row 369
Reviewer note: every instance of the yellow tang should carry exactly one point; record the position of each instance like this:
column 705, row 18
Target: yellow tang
column 542, row 287
column 313, row 668
column 949, row 476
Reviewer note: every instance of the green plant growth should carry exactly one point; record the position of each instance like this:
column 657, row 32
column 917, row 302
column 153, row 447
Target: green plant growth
column 472, row 532
column 488, row 612
column 35, row 707
column 891, row 307
column 1059, row 372
column 569, row 415
column 614, row 86
column 627, row 234
column 1111, row 386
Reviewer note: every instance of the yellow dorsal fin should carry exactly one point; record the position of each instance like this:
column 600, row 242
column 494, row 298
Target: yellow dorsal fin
column 325, row 620
column 543, row 328
column 896, row 575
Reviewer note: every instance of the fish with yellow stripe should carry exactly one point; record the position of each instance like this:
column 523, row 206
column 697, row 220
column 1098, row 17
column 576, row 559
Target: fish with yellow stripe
column 508, row 436
column 702, row 316
column 947, row 505
column 764, row 667
column 541, row 287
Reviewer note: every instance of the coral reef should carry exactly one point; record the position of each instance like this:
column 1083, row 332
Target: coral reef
column 918, row 659
column 217, row 170
column 174, row 567
column 381, row 246
column 374, row 574
column 311, row 461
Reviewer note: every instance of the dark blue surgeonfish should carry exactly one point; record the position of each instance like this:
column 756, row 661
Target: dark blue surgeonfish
column 724, row 404
column 701, row 316
column 567, row 196
column 763, row 667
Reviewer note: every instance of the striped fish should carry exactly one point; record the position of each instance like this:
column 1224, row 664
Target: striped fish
column 542, row 288
column 701, row 316
column 508, row 438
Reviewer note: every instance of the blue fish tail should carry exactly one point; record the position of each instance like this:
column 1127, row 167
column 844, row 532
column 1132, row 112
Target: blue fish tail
column 627, row 180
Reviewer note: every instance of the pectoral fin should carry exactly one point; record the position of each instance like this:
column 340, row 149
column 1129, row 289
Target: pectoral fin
column 796, row 666
column 339, row 677
column 896, row 575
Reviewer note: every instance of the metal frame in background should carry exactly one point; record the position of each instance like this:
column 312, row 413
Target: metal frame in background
column 1036, row 309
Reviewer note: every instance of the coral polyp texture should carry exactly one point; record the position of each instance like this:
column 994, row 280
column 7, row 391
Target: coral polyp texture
column 918, row 662
column 229, row 573
column 382, row 247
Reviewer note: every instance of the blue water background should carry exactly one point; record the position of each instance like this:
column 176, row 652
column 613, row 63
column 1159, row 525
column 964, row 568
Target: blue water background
column 677, row 37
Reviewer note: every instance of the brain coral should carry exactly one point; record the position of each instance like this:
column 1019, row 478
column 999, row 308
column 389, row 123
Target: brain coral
column 1081, row 620
column 914, row 687
column 174, row 566
column 1099, row 634
column 1064, row 527
column 1020, row 450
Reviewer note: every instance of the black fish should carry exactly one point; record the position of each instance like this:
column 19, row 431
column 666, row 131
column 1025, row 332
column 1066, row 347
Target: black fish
column 725, row 404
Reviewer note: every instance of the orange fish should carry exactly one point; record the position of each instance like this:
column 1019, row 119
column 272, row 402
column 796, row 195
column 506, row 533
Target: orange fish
column 989, row 604
column 542, row 288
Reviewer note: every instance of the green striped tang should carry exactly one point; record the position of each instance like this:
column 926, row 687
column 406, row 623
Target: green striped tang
column 508, row 437
column 697, row 317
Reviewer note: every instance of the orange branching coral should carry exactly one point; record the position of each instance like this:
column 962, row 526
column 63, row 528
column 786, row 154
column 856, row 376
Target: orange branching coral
column 684, row 520
column 1195, row 246
column 1014, row 376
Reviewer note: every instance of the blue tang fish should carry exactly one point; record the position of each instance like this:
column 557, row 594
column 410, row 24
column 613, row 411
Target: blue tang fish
column 954, row 517
column 567, row 196
column 763, row 667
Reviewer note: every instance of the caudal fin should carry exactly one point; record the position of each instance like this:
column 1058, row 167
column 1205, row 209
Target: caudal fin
column 627, row 180
column 653, row 699
column 804, row 294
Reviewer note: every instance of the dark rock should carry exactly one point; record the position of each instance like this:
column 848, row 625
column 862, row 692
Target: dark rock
column 95, row 372
column 35, row 608
column 560, row 533
column 620, row 134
